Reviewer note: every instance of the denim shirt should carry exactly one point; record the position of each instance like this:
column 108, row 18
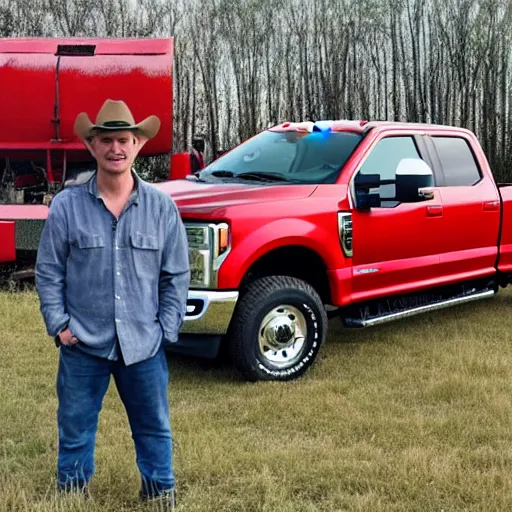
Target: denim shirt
column 115, row 283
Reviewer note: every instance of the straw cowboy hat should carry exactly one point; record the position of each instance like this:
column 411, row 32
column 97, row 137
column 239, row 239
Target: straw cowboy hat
column 115, row 116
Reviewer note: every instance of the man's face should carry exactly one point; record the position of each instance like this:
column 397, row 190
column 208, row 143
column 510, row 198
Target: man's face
column 115, row 152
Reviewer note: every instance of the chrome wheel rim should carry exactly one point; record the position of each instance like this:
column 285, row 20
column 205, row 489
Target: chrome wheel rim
column 282, row 336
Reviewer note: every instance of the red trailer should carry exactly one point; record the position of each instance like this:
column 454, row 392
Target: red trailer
column 45, row 83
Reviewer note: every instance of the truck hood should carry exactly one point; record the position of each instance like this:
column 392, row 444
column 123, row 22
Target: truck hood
column 206, row 198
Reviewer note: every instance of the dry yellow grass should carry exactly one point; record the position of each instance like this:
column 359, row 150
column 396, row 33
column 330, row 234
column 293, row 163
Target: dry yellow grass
column 411, row 416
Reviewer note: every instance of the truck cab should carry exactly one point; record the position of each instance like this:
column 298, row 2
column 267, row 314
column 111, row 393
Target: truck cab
column 369, row 221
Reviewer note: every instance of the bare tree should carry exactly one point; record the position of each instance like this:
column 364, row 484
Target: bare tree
column 241, row 65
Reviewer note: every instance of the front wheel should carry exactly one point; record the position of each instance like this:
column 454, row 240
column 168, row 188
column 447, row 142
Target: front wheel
column 279, row 326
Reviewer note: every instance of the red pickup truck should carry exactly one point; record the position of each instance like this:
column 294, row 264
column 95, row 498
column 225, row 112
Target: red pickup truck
column 371, row 221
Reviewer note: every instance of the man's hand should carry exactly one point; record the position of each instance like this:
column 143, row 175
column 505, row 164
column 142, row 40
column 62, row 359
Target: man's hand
column 67, row 338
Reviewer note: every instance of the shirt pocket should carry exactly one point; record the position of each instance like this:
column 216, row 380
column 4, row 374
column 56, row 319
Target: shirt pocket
column 88, row 251
column 86, row 241
column 145, row 249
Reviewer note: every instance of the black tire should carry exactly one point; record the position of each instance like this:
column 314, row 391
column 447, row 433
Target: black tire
column 261, row 299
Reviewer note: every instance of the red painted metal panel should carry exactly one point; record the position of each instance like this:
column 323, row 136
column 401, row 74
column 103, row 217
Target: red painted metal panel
column 28, row 93
column 23, row 211
column 136, row 71
column 180, row 166
column 105, row 46
column 7, row 242
column 505, row 261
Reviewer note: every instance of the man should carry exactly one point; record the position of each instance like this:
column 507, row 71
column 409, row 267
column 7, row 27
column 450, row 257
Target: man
column 112, row 275
column 197, row 155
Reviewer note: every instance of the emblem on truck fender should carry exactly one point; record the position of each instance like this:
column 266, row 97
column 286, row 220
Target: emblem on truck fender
column 367, row 270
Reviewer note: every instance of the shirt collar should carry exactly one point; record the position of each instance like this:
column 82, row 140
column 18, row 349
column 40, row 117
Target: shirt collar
column 92, row 187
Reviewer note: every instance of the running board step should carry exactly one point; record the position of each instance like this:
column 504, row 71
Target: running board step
column 390, row 317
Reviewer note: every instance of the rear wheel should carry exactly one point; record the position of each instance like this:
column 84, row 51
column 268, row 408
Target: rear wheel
column 278, row 329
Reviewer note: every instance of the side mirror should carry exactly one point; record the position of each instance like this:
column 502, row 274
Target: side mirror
column 413, row 174
column 363, row 183
column 367, row 181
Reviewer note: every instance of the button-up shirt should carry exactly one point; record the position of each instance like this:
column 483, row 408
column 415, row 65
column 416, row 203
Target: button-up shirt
column 116, row 283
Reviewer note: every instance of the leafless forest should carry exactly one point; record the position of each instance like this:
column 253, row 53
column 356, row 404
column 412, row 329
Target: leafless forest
column 241, row 65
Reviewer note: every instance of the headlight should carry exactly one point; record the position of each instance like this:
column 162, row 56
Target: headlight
column 197, row 236
column 208, row 247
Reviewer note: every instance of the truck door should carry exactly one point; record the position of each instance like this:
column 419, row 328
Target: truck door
column 395, row 245
column 471, row 209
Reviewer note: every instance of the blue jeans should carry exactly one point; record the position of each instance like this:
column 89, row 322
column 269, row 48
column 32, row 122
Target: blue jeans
column 82, row 382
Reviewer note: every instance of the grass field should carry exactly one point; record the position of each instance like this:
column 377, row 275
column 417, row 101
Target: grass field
column 410, row 416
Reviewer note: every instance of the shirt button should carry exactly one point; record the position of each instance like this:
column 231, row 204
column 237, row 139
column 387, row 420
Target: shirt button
column 117, row 297
column 118, row 273
column 118, row 321
column 117, row 247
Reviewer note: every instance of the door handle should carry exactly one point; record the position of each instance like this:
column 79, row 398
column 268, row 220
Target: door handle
column 434, row 210
column 491, row 206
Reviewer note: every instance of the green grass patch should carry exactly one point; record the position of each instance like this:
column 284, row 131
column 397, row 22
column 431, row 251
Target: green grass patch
column 410, row 416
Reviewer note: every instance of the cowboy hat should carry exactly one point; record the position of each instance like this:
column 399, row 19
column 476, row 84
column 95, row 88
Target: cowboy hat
column 114, row 116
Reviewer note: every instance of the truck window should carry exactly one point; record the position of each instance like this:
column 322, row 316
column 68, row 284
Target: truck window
column 457, row 160
column 384, row 159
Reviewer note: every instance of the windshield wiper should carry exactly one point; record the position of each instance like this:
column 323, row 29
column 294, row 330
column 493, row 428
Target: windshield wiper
column 264, row 176
column 223, row 174
column 257, row 176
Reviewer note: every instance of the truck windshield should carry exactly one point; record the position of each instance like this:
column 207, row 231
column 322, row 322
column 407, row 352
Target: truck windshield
column 296, row 157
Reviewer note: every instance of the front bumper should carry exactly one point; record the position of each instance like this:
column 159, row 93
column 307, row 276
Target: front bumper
column 209, row 312
column 207, row 319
